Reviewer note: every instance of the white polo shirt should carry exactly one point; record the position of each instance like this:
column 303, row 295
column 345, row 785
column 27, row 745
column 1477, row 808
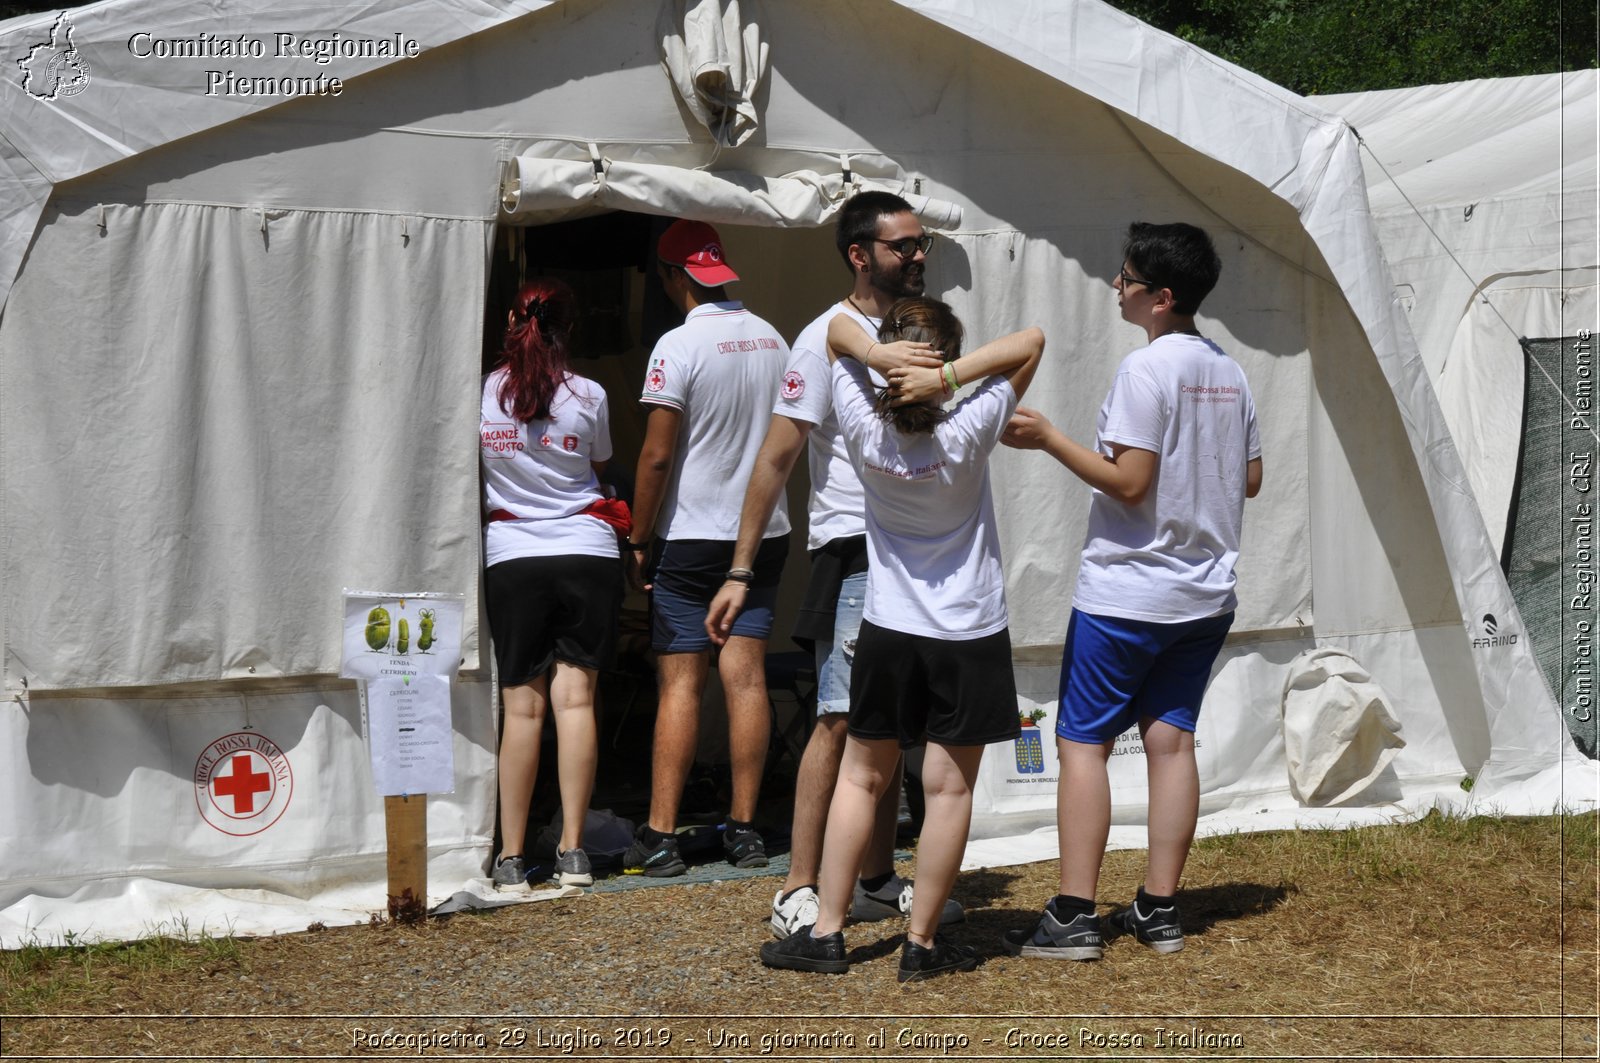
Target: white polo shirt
column 541, row 472
column 837, row 506
column 721, row 368
column 933, row 551
column 1171, row 558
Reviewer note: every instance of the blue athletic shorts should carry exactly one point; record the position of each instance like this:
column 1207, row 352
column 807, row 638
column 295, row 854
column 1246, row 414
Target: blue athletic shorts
column 835, row 656
column 687, row 575
column 1116, row 672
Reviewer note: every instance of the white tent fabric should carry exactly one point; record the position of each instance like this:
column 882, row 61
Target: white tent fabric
column 253, row 385
column 716, row 60
column 1484, row 196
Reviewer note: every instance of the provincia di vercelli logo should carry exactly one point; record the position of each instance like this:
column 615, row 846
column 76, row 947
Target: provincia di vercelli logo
column 276, row 63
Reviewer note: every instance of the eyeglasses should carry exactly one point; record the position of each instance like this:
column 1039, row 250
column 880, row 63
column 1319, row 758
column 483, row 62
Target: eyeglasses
column 1127, row 280
column 907, row 246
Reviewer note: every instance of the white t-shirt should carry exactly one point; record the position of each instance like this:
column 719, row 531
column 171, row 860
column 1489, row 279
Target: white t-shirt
column 933, row 552
column 541, row 472
column 1171, row 558
column 720, row 368
column 806, row 394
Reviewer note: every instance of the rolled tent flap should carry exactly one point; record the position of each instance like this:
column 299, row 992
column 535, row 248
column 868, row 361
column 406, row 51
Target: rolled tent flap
column 542, row 186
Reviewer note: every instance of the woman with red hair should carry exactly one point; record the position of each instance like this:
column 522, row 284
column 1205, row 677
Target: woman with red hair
column 554, row 578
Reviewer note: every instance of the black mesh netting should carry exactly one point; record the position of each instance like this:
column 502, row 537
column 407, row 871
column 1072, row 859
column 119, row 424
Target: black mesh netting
column 1549, row 555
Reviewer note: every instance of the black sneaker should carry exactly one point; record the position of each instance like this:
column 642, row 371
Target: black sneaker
column 1079, row 938
column 659, row 860
column 1156, row 927
column 744, row 846
column 802, row 952
column 918, row 961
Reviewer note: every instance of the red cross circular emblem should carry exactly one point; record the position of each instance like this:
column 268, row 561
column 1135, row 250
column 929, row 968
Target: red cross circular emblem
column 656, row 379
column 794, row 385
column 242, row 783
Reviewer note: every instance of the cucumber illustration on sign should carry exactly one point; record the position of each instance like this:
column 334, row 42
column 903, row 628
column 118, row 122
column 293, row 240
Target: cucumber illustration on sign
column 402, row 642
column 425, row 634
column 378, row 628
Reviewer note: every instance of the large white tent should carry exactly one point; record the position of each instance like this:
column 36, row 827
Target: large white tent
column 239, row 357
column 1484, row 196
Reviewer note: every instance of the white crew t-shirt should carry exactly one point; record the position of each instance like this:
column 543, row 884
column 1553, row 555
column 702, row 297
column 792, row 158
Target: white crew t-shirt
column 933, row 551
column 721, row 368
column 1170, row 558
column 837, row 506
column 542, row 473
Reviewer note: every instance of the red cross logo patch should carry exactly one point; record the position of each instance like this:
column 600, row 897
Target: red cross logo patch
column 242, row 783
column 794, row 385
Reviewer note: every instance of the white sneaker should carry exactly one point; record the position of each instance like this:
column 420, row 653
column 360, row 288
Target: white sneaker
column 792, row 914
column 893, row 898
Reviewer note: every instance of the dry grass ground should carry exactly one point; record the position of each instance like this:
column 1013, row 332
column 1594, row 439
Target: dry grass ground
column 1446, row 938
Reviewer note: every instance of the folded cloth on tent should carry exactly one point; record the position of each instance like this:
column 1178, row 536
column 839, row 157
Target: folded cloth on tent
column 1338, row 732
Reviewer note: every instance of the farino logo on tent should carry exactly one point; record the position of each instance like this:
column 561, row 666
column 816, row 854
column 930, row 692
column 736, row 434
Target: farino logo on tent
column 54, row 69
column 1491, row 634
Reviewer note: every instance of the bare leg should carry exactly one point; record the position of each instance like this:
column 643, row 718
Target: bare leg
column 813, row 790
column 682, row 679
column 742, row 665
column 572, row 697
column 864, row 775
column 948, row 773
column 524, row 706
column 1083, row 814
column 1174, row 803
column 880, row 853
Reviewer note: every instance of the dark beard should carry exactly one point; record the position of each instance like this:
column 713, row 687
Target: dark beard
column 904, row 280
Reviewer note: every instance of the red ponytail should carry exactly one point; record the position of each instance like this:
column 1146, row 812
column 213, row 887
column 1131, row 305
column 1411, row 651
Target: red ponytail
column 534, row 351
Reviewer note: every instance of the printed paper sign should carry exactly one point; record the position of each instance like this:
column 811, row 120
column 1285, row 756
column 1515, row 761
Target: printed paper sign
column 405, row 649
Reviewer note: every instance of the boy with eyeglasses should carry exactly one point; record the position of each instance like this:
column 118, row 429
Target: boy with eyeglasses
column 1176, row 454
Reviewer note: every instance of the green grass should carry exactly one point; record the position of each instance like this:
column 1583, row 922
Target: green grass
column 35, row 975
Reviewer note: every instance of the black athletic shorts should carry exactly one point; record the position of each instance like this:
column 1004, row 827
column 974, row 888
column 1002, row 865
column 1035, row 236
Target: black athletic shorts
column 915, row 688
column 546, row 609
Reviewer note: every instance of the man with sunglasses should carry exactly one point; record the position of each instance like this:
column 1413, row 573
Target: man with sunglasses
column 1176, row 454
column 885, row 248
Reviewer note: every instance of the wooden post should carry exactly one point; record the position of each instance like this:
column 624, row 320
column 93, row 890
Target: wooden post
column 406, row 825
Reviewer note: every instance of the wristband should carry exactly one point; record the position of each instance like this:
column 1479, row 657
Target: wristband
column 740, row 575
column 638, row 548
column 866, row 359
column 949, row 375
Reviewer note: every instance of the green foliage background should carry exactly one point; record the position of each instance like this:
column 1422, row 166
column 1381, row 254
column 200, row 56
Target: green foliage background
column 1325, row 46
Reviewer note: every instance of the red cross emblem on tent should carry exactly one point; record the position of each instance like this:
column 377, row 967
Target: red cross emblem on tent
column 242, row 783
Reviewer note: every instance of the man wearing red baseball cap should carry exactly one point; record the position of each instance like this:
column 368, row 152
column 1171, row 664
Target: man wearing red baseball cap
column 708, row 390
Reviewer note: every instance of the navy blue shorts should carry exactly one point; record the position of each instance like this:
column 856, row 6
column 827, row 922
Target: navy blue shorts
column 1116, row 672
column 687, row 575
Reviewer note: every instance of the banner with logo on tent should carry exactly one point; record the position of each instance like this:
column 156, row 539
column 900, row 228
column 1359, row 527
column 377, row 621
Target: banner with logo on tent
column 405, row 649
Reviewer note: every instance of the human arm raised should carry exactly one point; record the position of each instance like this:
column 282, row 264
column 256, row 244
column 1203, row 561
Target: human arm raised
column 1125, row 475
column 1016, row 356
column 786, row 438
column 847, row 339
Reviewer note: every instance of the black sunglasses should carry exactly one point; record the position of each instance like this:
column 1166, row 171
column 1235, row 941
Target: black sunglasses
column 907, row 246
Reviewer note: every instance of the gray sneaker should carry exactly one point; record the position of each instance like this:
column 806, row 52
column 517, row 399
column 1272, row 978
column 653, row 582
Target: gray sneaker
column 892, row 899
column 1156, row 927
column 1079, row 938
column 572, row 868
column 510, row 875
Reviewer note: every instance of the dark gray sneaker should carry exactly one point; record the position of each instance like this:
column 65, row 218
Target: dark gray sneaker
column 802, row 952
column 573, row 868
column 918, row 961
column 510, row 875
column 1079, row 938
column 744, row 846
column 661, row 860
column 1156, row 927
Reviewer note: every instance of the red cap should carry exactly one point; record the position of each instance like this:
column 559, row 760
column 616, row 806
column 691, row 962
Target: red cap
column 696, row 247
